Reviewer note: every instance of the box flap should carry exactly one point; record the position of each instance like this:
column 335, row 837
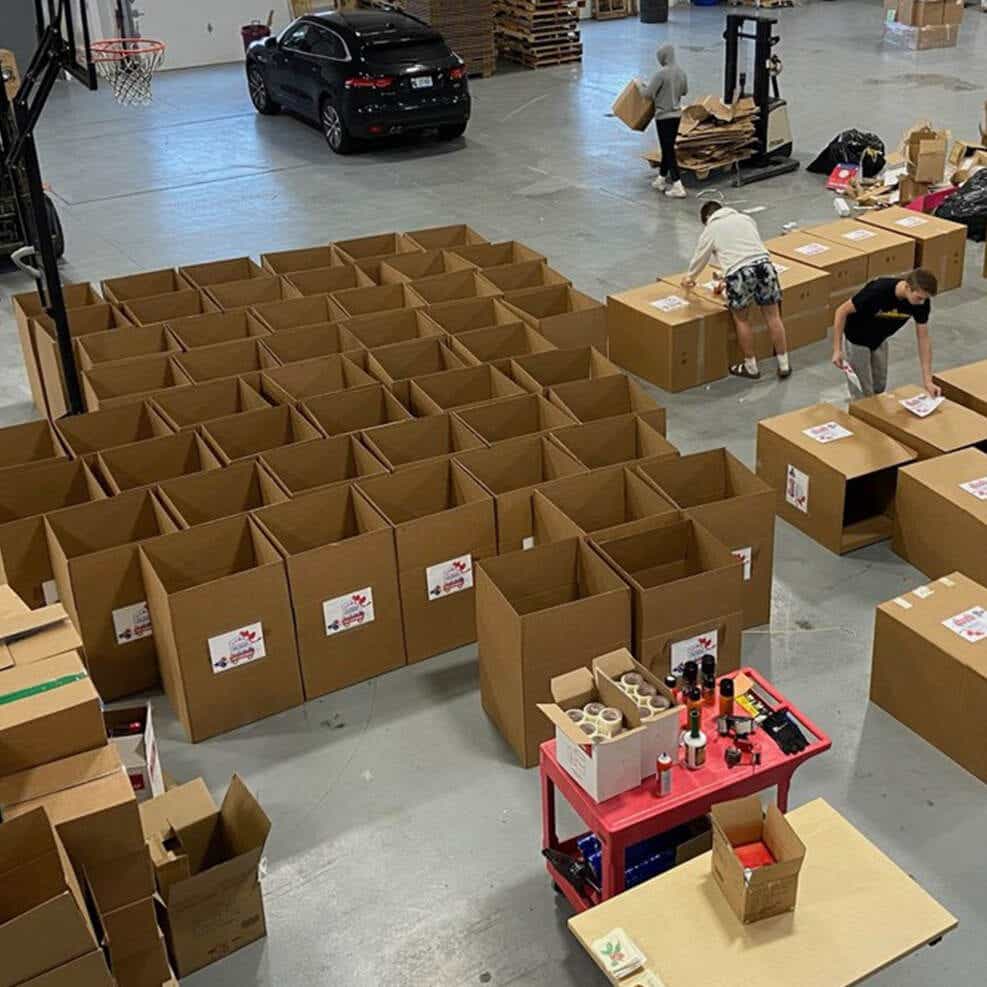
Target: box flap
column 245, row 823
column 741, row 820
column 573, row 688
column 59, row 776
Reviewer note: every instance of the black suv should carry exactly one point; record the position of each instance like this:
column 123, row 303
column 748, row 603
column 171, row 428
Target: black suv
column 361, row 74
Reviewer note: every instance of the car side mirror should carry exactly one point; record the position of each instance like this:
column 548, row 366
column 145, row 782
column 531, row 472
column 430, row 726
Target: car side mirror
column 270, row 41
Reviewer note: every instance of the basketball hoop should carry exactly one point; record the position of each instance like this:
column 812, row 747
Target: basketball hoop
column 128, row 64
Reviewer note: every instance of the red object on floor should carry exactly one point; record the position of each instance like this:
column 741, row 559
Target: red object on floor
column 932, row 201
column 841, row 177
column 754, row 855
column 253, row 32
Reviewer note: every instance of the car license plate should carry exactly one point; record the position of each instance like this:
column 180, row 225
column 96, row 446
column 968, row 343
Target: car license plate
column 421, row 82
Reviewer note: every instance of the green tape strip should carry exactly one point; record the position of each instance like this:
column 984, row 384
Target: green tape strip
column 37, row 690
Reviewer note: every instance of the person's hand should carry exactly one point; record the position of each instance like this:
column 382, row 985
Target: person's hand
column 688, row 283
column 719, row 287
column 839, row 361
column 933, row 390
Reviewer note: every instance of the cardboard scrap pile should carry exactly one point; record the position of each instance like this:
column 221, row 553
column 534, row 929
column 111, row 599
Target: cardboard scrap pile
column 714, row 134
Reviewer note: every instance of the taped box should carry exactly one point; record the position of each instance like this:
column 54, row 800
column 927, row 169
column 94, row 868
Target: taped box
column 966, row 385
column 633, row 107
column 888, row 254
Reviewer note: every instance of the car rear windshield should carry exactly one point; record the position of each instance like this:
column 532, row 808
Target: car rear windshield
column 407, row 53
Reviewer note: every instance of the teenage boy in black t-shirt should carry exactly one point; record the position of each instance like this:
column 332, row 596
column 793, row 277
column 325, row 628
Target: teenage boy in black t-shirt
column 864, row 324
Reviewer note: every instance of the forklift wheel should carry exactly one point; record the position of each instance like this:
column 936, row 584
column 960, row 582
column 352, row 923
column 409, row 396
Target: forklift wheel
column 57, row 233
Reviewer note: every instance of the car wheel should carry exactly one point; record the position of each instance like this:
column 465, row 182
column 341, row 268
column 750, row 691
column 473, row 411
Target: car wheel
column 334, row 129
column 259, row 95
column 453, row 131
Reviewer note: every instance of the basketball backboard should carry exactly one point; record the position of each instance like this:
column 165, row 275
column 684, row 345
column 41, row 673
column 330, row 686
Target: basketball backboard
column 71, row 19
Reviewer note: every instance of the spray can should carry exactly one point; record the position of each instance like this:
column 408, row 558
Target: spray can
column 695, row 743
column 663, row 775
column 672, row 684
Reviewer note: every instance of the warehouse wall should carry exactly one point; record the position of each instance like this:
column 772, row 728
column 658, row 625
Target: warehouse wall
column 17, row 30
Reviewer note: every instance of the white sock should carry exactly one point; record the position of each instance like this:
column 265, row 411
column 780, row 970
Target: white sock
column 750, row 364
column 783, row 361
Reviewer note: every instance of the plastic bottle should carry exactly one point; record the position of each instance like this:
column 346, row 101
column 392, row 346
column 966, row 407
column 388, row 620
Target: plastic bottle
column 695, row 743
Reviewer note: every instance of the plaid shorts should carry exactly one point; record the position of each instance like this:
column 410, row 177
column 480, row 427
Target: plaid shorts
column 756, row 284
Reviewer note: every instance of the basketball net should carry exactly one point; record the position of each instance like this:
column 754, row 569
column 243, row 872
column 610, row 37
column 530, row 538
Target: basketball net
column 128, row 65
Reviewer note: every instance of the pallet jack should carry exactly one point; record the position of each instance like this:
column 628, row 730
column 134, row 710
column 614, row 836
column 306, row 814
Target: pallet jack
column 773, row 154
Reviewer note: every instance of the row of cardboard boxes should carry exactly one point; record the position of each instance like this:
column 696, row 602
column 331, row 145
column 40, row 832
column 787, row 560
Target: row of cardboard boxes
column 678, row 339
column 919, row 25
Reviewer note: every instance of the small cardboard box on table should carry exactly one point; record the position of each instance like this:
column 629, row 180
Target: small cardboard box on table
column 633, row 107
column 966, row 385
column 846, row 265
column 887, row 253
column 834, row 476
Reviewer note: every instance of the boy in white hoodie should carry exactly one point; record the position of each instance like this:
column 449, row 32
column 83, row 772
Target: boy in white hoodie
column 732, row 243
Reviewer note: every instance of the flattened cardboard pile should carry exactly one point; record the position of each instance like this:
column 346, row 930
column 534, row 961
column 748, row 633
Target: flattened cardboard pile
column 714, row 134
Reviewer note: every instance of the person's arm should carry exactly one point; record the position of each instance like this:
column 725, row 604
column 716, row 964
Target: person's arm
column 704, row 251
column 649, row 89
column 839, row 327
column 925, row 359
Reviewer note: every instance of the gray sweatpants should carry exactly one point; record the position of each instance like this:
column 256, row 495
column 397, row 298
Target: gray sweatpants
column 870, row 366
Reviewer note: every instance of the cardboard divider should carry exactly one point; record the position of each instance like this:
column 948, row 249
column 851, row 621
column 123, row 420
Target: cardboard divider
column 85, row 435
column 510, row 471
column 402, row 361
column 322, row 463
column 112, row 346
column 188, row 407
column 242, row 356
column 396, row 326
column 428, row 263
column 93, row 550
column 381, row 298
column 540, row 614
column 310, row 378
column 147, row 284
column 846, row 265
column 509, row 418
column 342, row 572
column 247, row 435
column 30, row 442
column 352, row 411
column 217, row 327
column 145, row 463
column 126, row 381
column 526, row 274
column 251, row 291
column 445, row 237
column 221, row 272
column 443, row 524
column 296, row 312
column 210, row 496
column 367, row 248
column 435, row 394
column 607, row 397
column 457, row 285
column 611, row 441
column 543, row 370
column 498, row 345
column 488, row 255
column 966, row 385
column 564, row 316
column 469, row 314
column 219, row 595
column 326, row 280
column 302, row 259
column 887, row 253
column 171, row 305
column 309, row 342
column 410, row 443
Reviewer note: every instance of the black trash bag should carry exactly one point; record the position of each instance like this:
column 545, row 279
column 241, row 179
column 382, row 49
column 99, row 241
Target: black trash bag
column 968, row 205
column 851, row 147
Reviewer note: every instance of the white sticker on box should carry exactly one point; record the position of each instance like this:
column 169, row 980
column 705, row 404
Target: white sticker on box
column 693, row 648
column 797, row 489
column 49, row 590
column 811, row 249
column 237, row 647
column 923, row 592
column 528, row 543
column 780, row 268
column 132, row 623
column 452, row 576
column 745, row 555
column 711, row 286
column 976, row 487
column 827, row 432
column 860, row 234
column 922, row 405
column 903, row 603
column 910, row 221
column 669, row 304
column 971, row 625
column 346, row 613
column 946, row 581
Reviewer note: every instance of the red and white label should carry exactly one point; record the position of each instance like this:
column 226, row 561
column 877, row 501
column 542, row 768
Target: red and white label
column 452, row 576
column 922, row 405
column 132, row 623
column 746, row 556
column 797, row 489
column 976, row 487
column 827, row 432
column 235, row 648
column 347, row 613
column 971, row 625
column 692, row 649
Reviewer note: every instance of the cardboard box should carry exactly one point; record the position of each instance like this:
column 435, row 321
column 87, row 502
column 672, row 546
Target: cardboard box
column 25, row 495
column 720, row 493
column 940, row 246
column 251, row 291
column 241, row 356
column 510, row 418
column 186, row 408
column 397, row 363
column 396, row 326
column 221, row 272
column 250, row 433
column 135, row 945
column 540, row 614
column 93, row 549
column 326, row 280
column 966, row 385
column 58, row 715
column 839, row 488
column 952, row 13
column 443, row 237
column 923, row 146
column 171, row 305
column 564, row 316
column 352, row 411
column 43, row 917
column 498, row 345
column 219, row 594
column 414, row 267
column 381, row 298
column 342, row 571
column 540, row 371
column 921, row 13
column 113, row 883
column 309, row 342
column 131, row 732
column 111, row 346
column 85, row 435
column 27, row 636
column 525, row 274
column 941, row 513
column 443, row 525
column 922, row 639
column 366, row 248
column 687, row 594
column 130, row 287
column 909, row 190
column 89, row 970
column 304, row 259
column 404, row 444
column 142, row 464
column 633, row 108
column 846, row 265
column 613, row 441
column 310, row 378
column 920, row 38
column 435, row 394
column 310, row 466
column 671, row 338
column 771, row 889
column 111, row 384
column 472, row 313
column 205, row 497
column 31, row 443
column 510, row 472
column 487, row 255
column 887, row 253
column 206, row 862
column 216, row 327
column 295, row 312
column 607, row 397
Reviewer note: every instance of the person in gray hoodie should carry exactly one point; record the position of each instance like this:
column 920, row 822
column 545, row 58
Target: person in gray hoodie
column 666, row 88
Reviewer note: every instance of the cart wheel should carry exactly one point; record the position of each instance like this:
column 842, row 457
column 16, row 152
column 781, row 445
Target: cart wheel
column 57, row 233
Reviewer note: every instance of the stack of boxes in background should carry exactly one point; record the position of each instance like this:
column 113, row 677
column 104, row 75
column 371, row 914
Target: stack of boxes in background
column 922, row 24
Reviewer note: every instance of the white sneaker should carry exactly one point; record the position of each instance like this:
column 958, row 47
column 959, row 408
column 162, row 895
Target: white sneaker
column 677, row 191
column 659, row 184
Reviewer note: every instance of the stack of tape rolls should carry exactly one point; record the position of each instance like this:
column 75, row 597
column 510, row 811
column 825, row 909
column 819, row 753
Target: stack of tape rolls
column 609, row 722
column 650, row 702
column 597, row 722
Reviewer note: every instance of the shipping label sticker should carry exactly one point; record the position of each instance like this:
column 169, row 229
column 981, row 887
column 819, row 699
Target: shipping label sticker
column 922, row 405
column 946, row 581
column 449, row 577
column 49, row 590
column 797, row 489
column 910, row 221
column 528, row 543
column 711, row 286
column 827, row 432
column 780, row 268
column 903, row 603
column 923, row 592
column 346, row 613
column 669, row 304
column 976, row 487
column 811, row 249
column 860, row 234
column 971, row 625
column 746, row 556
column 132, row 623
column 238, row 647
column 693, row 648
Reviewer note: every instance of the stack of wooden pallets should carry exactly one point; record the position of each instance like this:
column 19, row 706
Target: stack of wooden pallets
column 537, row 33
column 605, row 10
column 467, row 26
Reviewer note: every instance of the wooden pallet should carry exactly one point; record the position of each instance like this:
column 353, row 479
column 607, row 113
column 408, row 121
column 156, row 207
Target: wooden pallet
column 604, row 10
column 537, row 33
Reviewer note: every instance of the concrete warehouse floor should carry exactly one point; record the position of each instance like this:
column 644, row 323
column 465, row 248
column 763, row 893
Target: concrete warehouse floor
column 406, row 840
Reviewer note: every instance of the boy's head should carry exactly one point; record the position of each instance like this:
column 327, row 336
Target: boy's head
column 920, row 286
column 707, row 210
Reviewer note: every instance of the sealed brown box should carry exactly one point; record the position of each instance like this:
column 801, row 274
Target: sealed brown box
column 109, row 347
column 498, row 345
column 25, row 495
column 322, row 463
column 940, row 246
column 562, row 315
column 607, row 397
column 396, row 326
column 93, row 549
column 634, row 108
column 343, row 575
column 923, row 639
column 30, row 443
column 687, row 592
column 309, row 342
column 540, row 614
column 127, row 381
column 188, row 407
column 671, row 338
column 142, row 464
column 353, row 411
column 172, row 305
column 250, row 433
column 396, row 364
column 834, row 476
column 219, row 595
column 510, row 418
column 144, row 285
column 771, row 889
column 442, row 237
column 434, row 394
column 805, row 306
column 27, row 636
column 296, row 312
column 526, row 274
column 303, row 259
column 427, row 264
column 443, row 524
column 310, row 378
column 511, row 471
column 405, row 444
column 612, row 441
column 469, row 314
column 326, row 280
column 206, row 862
column 252, row 291
column 487, row 255
column 205, row 497
column 216, row 327
column 720, row 493
column 543, row 370
column 43, row 918
column 85, row 435
column 368, row 248
column 966, row 385
column 455, row 286
column 847, row 266
column 241, row 356
column 221, row 272
column 381, row 298
column 941, row 514
column 887, row 253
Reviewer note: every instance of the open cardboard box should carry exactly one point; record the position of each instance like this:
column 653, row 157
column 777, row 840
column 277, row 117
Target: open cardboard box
column 888, row 254
column 434, row 394
column 543, row 370
column 352, row 411
column 239, row 356
column 142, row 464
column 147, row 284
column 135, row 946
column 498, row 345
column 847, row 266
column 250, row 291
column 342, row 571
column 470, row 314
column 309, row 342
column 171, row 305
column 113, row 345
column 397, row 326
column 27, row 636
column 490, row 255
column 564, row 316
column 540, row 614
column 525, row 274
column 427, row 264
column 111, row 384
column 510, row 418
column 404, row 444
column 608, row 397
column 250, row 433
column 323, row 463
column 310, row 378
column 131, row 732
column 85, row 435
column 219, row 595
column 444, row 237
column 381, row 298
column 366, row 248
column 302, row 259
column 326, row 280
column 295, row 312
column 397, row 363
column 966, row 385
column 204, row 497
column 186, row 408
column 221, row 272
column 31, row 443
column 633, row 108
column 614, row 441
column 455, row 286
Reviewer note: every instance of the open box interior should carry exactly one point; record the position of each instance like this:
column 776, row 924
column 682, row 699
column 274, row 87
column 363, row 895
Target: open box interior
column 190, row 406
column 379, row 245
column 306, row 466
column 485, row 255
column 524, row 274
column 413, row 441
column 310, row 342
column 510, row 418
column 499, row 344
column 444, row 237
column 102, row 524
column 204, row 497
column 251, row 291
column 45, row 487
column 107, row 347
column 29, row 443
column 519, row 463
column 353, row 411
column 396, row 326
column 380, row 298
column 221, row 271
column 560, row 366
column 87, row 434
column 143, row 463
column 434, row 393
column 138, row 376
column 611, row 441
column 172, row 305
column 310, row 378
column 427, row 264
column 326, row 280
column 604, row 397
column 294, row 312
column 454, row 286
column 240, row 356
column 471, row 313
column 422, row 491
column 868, row 508
column 145, row 285
column 303, row 259
column 400, row 361
column 217, row 327
column 253, row 432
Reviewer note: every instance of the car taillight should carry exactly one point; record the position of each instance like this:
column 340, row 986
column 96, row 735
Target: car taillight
column 365, row 82
column 458, row 73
